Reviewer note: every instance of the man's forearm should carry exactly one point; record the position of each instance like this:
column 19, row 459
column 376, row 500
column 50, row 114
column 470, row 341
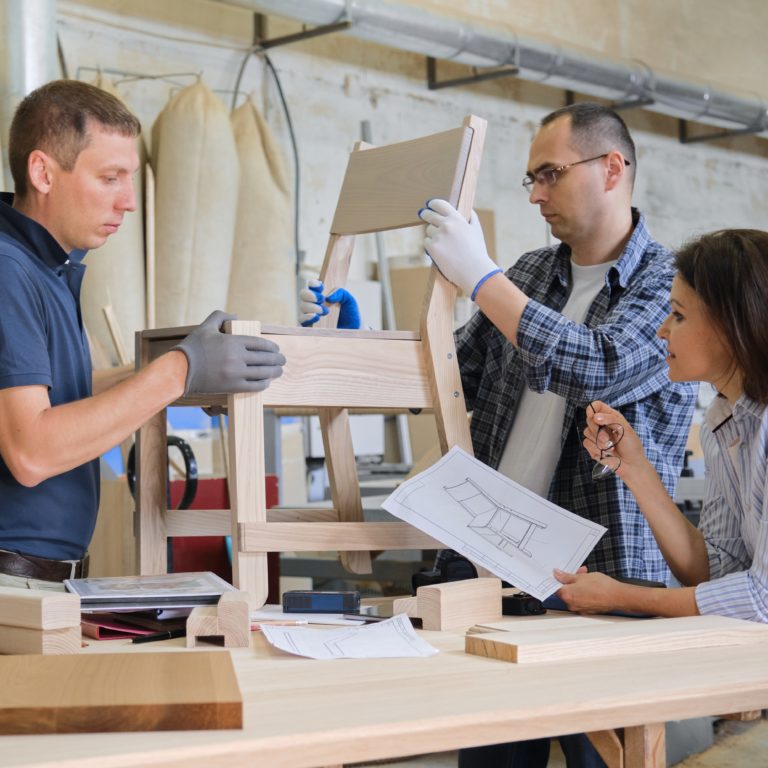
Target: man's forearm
column 50, row 440
column 104, row 378
column 503, row 303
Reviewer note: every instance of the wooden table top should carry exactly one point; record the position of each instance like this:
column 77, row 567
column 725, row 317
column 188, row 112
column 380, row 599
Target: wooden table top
column 302, row 712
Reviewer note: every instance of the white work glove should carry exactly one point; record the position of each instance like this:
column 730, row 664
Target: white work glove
column 222, row 363
column 457, row 246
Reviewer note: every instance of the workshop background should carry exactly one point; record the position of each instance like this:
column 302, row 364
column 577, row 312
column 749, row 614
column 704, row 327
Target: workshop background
column 250, row 108
column 247, row 126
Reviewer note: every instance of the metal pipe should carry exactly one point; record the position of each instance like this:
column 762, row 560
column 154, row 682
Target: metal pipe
column 29, row 57
column 430, row 34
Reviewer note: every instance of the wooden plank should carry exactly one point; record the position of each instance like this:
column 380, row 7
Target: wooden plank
column 118, row 692
column 303, row 713
column 530, row 644
column 384, row 187
column 218, row 522
column 320, row 537
column 342, row 476
column 437, row 319
column 247, row 480
column 149, row 240
column 151, row 483
column 377, row 373
column 38, row 608
column 161, row 340
column 117, row 335
column 50, row 642
column 333, row 273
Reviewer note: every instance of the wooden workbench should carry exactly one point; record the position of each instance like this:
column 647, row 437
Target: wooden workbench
column 300, row 712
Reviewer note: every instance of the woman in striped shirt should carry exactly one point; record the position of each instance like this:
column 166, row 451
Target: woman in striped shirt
column 717, row 332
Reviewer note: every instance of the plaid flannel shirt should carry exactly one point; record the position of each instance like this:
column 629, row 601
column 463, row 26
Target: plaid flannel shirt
column 613, row 356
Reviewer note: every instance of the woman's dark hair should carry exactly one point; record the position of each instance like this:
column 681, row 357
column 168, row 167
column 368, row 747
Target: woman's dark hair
column 729, row 272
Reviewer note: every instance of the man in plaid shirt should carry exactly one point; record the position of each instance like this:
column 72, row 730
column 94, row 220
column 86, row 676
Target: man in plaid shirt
column 566, row 325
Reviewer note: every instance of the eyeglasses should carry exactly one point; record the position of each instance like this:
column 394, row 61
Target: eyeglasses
column 549, row 176
column 606, row 439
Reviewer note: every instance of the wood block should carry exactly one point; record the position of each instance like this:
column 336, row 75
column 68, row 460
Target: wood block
column 38, row 608
column 459, row 603
column 528, row 643
column 21, row 640
column 88, row 693
column 407, row 605
column 228, row 621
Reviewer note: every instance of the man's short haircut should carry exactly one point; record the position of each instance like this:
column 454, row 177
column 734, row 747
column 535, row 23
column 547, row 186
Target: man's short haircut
column 595, row 129
column 54, row 118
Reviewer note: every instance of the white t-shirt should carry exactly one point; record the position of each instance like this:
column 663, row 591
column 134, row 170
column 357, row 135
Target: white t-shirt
column 533, row 447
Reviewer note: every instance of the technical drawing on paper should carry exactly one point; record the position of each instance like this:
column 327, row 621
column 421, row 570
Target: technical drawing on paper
column 496, row 523
column 505, row 528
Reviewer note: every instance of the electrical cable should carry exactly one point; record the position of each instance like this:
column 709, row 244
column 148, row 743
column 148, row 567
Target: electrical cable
column 294, row 144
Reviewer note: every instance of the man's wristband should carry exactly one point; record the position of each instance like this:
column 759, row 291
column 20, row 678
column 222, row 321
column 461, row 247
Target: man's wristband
column 483, row 279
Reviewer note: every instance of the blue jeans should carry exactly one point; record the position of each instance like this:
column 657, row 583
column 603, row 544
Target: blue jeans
column 578, row 751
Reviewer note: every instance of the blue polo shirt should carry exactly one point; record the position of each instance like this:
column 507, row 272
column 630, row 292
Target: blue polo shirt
column 42, row 342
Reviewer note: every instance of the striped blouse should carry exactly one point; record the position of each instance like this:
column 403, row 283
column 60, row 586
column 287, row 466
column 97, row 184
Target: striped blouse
column 734, row 518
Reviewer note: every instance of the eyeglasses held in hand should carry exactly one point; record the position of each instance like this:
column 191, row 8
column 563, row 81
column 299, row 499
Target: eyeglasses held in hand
column 549, row 176
column 606, row 439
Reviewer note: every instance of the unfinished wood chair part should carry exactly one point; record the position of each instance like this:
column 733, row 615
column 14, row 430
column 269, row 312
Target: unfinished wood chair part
column 228, row 622
column 330, row 371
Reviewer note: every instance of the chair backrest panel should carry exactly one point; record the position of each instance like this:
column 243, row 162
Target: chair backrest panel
column 384, row 187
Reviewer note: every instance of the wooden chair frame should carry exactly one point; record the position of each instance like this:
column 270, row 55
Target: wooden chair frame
column 330, row 371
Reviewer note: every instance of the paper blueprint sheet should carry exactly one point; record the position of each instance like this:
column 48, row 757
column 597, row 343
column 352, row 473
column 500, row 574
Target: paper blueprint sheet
column 391, row 638
column 495, row 522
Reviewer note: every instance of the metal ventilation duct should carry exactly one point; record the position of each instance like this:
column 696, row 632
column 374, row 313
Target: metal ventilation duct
column 429, row 34
column 27, row 55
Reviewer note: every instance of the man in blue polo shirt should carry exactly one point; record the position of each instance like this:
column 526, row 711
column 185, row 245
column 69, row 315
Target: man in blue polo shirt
column 72, row 156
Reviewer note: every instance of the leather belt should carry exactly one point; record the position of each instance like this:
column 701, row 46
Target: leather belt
column 31, row 567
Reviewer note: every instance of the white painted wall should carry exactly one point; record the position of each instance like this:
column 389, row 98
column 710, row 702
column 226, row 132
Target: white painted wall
column 333, row 84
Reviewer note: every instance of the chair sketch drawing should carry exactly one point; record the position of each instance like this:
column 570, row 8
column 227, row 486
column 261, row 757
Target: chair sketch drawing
column 330, row 371
column 504, row 527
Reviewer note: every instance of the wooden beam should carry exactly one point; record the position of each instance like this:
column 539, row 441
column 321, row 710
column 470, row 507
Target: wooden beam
column 38, row 608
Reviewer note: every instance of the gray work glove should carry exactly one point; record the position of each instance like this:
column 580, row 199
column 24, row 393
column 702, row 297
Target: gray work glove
column 221, row 363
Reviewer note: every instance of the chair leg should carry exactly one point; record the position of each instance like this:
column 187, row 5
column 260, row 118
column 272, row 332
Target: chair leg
column 247, row 482
column 342, row 476
column 151, row 496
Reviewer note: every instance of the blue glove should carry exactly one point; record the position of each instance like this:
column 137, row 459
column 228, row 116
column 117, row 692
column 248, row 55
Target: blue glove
column 312, row 305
